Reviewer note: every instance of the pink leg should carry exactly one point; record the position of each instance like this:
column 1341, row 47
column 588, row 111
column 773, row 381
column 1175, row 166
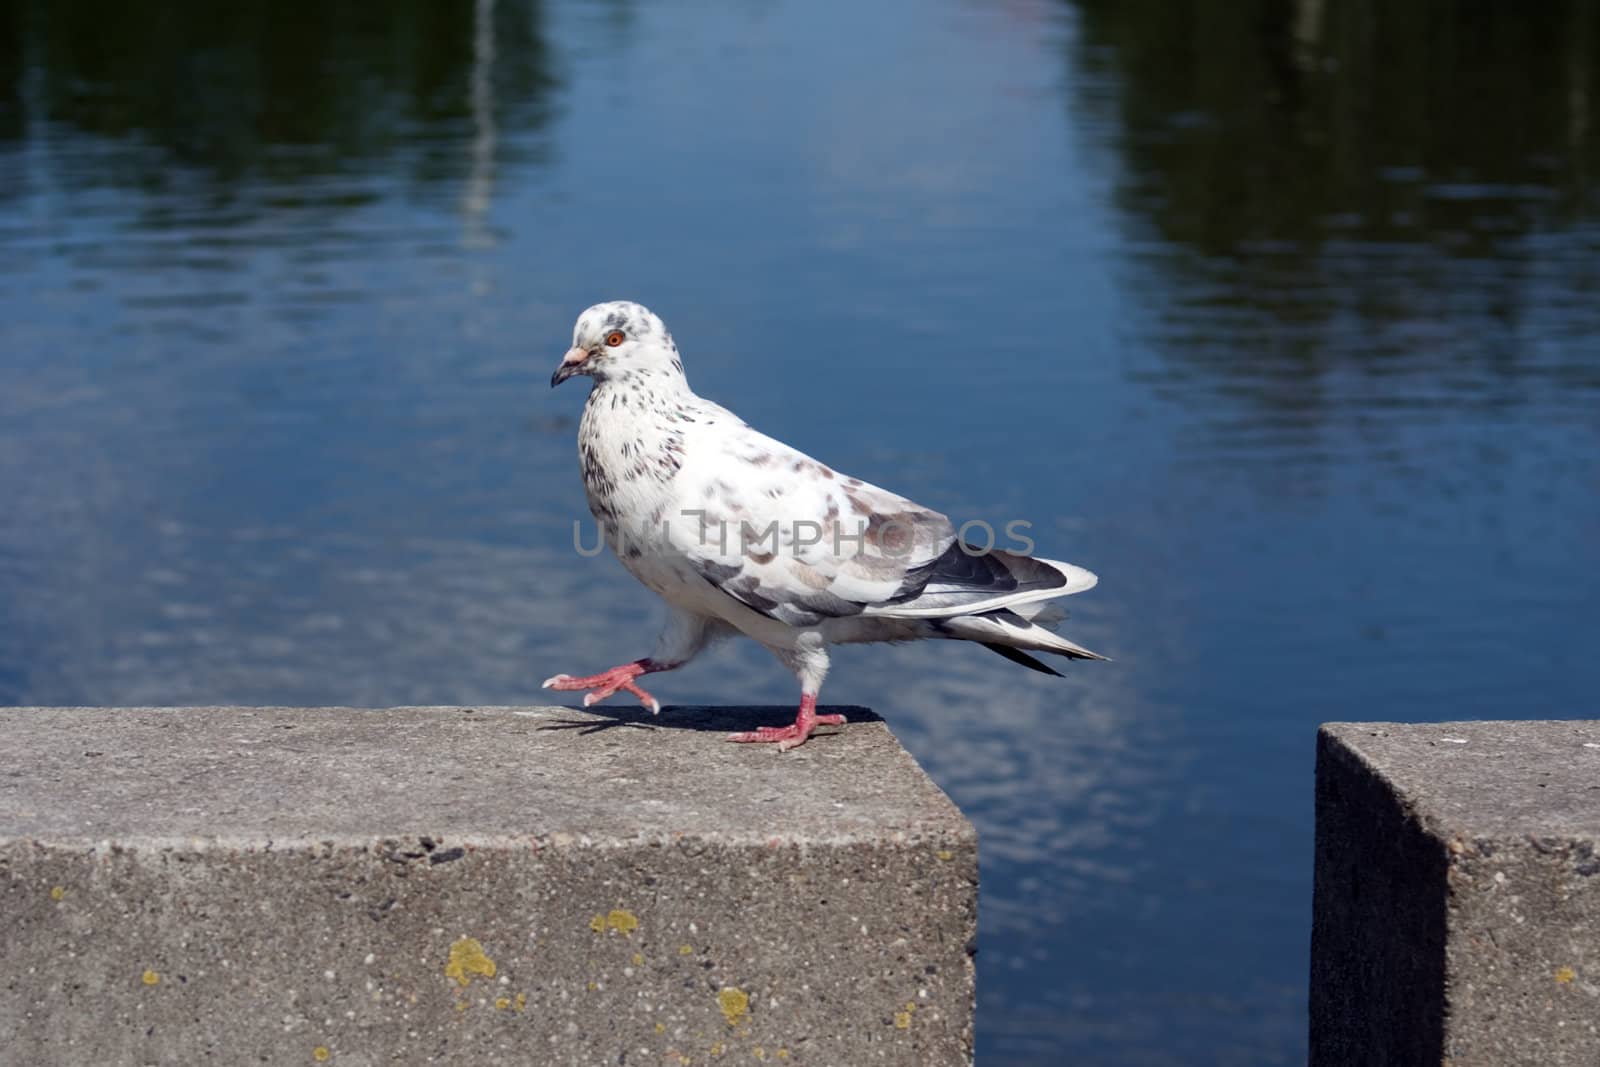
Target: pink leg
column 607, row 682
column 788, row 737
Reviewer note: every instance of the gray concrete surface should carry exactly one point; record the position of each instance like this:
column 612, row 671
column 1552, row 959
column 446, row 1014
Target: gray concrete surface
column 1456, row 916
column 486, row 885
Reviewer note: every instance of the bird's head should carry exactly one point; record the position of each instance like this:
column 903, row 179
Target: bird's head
column 616, row 339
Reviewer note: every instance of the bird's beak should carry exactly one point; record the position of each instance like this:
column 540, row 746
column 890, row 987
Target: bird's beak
column 571, row 363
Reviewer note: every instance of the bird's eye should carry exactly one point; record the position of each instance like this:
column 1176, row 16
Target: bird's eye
column 614, row 338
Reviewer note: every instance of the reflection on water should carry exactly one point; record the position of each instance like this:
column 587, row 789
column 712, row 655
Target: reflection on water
column 1355, row 217
column 1278, row 315
column 239, row 101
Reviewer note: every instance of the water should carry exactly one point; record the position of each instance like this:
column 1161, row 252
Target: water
column 1281, row 317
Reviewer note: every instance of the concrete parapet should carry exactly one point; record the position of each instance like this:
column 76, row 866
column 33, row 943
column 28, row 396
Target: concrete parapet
column 1457, row 905
column 475, row 885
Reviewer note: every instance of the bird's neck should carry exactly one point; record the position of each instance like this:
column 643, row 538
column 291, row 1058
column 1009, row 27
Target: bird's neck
column 642, row 385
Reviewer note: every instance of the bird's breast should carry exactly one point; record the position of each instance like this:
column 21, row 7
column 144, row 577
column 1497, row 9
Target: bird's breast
column 629, row 454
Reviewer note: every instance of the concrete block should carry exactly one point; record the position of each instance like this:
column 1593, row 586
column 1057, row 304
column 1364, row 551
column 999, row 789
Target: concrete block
column 1456, row 916
column 475, row 885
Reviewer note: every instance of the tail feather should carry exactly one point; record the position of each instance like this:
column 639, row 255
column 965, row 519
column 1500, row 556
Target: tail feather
column 1009, row 630
column 1017, row 656
column 1046, row 613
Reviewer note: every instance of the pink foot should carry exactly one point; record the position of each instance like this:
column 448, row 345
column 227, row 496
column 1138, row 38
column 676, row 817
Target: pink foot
column 606, row 683
column 787, row 737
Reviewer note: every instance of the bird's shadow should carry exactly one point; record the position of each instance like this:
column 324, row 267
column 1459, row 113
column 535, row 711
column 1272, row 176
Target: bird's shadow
column 702, row 718
column 585, row 727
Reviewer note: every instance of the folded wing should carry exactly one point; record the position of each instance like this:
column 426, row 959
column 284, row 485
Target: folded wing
column 797, row 541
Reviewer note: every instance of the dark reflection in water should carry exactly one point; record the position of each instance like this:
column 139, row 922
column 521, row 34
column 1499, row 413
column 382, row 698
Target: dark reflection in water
column 230, row 96
column 1307, row 122
column 1279, row 316
column 1364, row 215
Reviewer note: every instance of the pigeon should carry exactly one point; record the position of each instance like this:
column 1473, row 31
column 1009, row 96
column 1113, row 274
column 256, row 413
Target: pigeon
column 741, row 534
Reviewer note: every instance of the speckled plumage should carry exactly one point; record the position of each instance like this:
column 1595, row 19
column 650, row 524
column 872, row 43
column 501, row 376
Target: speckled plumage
column 740, row 533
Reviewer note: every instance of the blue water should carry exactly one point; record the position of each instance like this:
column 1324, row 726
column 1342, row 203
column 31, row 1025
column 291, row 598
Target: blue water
column 1282, row 319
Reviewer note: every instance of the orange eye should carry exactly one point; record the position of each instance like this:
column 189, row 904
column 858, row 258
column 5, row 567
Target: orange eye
column 614, row 338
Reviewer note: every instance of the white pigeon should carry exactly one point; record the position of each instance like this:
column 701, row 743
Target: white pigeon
column 740, row 533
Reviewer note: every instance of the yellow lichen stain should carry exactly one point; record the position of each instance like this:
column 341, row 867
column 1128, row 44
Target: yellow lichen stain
column 462, row 1005
column 717, row 1049
column 686, row 950
column 945, row 854
column 911, row 1005
column 502, row 1003
column 902, row 1020
column 57, row 892
column 782, row 1054
column 618, row 919
column 522, row 1002
column 759, row 1053
column 638, row 959
column 593, row 986
column 321, row 1053
column 735, row 1004
column 1566, row 975
column 661, row 1028
column 467, row 958
column 151, row 978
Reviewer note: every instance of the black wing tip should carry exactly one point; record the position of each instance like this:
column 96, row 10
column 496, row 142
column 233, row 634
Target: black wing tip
column 1018, row 656
column 975, row 569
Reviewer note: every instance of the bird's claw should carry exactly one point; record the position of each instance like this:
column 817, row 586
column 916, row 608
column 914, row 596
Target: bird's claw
column 604, row 685
column 787, row 737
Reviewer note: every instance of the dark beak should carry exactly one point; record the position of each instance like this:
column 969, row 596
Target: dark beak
column 572, row 363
